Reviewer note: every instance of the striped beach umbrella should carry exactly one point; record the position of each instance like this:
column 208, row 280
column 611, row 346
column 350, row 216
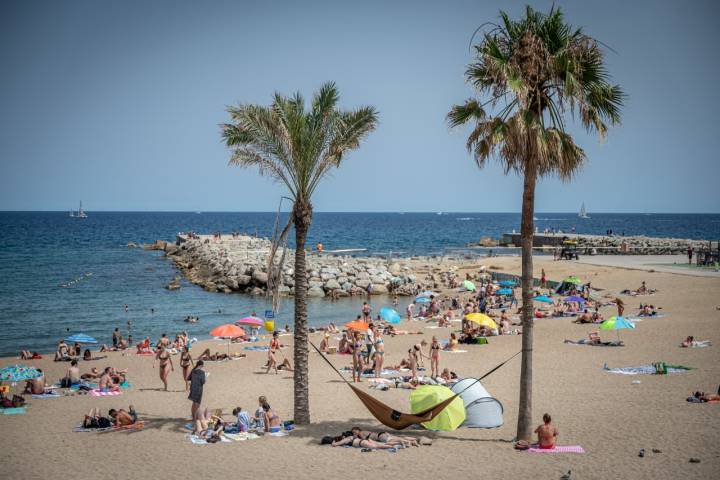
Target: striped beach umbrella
column 80, row 338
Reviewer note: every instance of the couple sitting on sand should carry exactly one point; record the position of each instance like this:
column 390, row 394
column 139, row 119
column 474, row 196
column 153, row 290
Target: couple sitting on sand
column 116, row 418
column 373, row 440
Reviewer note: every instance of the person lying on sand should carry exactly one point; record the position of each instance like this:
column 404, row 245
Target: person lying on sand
column 690, row 342
column 707, row 397
column 448, row 376
column 106, row 383
column 385, row 437
column 93, row 419
column 647, row 310
column 347, row 438
column 28, row 355
column 546, row 433
column 208, row 425
column 122, row 417
column 91, row 375
column 585, row 317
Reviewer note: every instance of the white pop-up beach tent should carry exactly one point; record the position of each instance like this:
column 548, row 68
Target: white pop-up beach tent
column 481, row 410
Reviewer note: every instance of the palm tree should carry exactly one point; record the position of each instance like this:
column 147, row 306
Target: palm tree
column 534, row 73
column 297, row 147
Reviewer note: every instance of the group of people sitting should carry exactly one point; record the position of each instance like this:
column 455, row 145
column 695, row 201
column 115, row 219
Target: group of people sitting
column 115, row 418
column 210, row 426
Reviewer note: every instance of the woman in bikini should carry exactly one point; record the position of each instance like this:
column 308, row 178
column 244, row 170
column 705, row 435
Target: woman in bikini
column 379, row 353
column 272, row 361
column 357, row 357
column 385, row 437
column 271, row 420
column 356, row 442
column 186, row 362
column 435, row 357
column 165, row 361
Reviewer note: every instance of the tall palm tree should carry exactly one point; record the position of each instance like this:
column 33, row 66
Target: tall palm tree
column 535, row 73
column 297, row 147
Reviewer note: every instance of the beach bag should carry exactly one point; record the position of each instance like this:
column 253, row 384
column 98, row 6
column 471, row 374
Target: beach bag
column 65, row 383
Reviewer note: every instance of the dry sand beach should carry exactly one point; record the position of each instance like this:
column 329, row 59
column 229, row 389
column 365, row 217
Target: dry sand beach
column 609, row 415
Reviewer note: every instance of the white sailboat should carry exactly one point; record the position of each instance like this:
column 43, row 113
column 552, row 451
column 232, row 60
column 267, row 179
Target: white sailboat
column 583, row 212
column 80, row 212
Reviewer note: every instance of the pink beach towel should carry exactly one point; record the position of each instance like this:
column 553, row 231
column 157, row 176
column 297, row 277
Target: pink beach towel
column 558, row 449
column 98, row 393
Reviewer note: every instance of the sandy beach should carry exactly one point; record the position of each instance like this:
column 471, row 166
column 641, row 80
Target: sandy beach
column 607, row 414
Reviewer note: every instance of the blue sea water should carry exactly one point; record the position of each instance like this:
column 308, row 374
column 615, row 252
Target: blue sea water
column 39, row 251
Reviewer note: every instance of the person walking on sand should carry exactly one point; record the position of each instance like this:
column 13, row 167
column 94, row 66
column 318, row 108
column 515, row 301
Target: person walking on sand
column 166, row 364
column 435, row 357
column 543, row 279
column 272, row 360
column 197, row 382
column 379, row 353
column 546, row 433
column 620, row 306
column 186, row 362
column 357, row 357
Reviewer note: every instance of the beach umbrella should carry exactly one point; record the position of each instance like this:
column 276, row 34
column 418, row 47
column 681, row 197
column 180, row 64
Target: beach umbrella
column 422, row 299
column 427, row 396
column 505, row 291
column 481, row 319
column 543, row 298
column 389, row 315
column 18, row 373
column 357, row 325
column 617, row 324
column 469, row 286
column 507, row 283
column 229, row 331
column 250, row 321
column 80, row 338
column 572, row 279
column 574, row 298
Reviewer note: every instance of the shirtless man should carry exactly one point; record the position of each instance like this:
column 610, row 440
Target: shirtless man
column 106, row 383
column 164, row 341
column 123, row 417
column 546, row 433
column 166, row 363
column 73, row 373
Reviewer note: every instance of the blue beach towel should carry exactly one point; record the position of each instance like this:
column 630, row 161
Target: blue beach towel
column 14, row 411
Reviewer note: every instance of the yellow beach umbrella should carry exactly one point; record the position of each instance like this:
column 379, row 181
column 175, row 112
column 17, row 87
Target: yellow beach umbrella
column 481, row 319
column 427, row 396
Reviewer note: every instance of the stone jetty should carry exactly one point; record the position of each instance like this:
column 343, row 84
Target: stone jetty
column 239, row 264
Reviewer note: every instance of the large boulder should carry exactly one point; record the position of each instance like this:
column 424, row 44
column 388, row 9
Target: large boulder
column 315, row 283
column 332, row 284
column 362, row 282
column 326, row 276
column 315, row 292
column 243, row 280
column 363, row 276
column 379, row 289
column 260, row 278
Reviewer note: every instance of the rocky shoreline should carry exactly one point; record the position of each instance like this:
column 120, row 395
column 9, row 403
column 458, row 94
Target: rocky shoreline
column 239, row 264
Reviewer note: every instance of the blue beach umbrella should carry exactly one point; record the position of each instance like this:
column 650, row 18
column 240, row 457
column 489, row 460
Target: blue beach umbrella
column 80, row 338
column 617, row 323
column 507, row 283
column 505, row 291
column 426, row 293
column 422, row 299
column 18, row 373
column 543, row 298
column 389, row 315
column 574, row 298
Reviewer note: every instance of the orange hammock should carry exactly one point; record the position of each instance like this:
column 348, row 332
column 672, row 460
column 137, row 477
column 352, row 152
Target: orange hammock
column 390, row 417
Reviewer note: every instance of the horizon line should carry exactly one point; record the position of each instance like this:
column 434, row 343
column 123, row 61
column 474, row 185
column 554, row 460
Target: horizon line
column 449, row 212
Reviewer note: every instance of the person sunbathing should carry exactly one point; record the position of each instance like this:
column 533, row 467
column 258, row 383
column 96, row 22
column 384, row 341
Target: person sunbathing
column 208, row 425
column 452, row 343
column 325, row 343
column 28, row 355
column 207, row 356
column 344, row 345
column 93, row 419
column 707, row 397
column 448, row 376
column 546, row 433
column 271, row 421
column 353, row 441
column 144, row 346
column 385, row 437
column 332, row 328
column 122, row 417
column 106, row 383
column 585, row 317
column 36, row 386
column 285, row 365
column 93, row 374
column 63, row 352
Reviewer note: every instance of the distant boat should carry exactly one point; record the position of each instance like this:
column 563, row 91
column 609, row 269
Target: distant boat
column 583, row 212
column 439, row 213
column 80, row 212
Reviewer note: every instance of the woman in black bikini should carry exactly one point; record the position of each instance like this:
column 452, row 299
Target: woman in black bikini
column 347, row 438
column 385, row 437
column 435, row 357
column 186, row 362
column 165, row 361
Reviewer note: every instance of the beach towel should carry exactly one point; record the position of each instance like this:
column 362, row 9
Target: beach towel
column 646, row 369
column 97, row 393
column 241, row 437
column 279, row 434
column 46, row 395
column 699, row 344
column 257, row 348
column 454, row 351
column 201, row 441
column 146, row 353
column 585, row 341
column 135, row 426
column 14, row 411
column 558, row 449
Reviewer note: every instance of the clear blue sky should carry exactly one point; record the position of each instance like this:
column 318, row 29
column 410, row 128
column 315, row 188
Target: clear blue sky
column 118, row 103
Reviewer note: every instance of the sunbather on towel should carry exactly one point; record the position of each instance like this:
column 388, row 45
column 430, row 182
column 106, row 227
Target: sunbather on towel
column 347, row 438
column 385, row 437
column 546, row 433
column 122, row 417
column 106, row 383
column 691, row 342
column 28, row 355
column 707, row 397
column 93, row 419
column 36, row 386
column 207, row 356
column 93, row 374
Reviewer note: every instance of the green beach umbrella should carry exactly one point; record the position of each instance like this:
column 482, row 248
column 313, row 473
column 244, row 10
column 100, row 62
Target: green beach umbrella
column 469, row 286
column 572, row 279
column 617, row 323
column 427, row 396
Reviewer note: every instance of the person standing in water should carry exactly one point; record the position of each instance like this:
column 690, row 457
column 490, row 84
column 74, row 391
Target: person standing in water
column 166, row 364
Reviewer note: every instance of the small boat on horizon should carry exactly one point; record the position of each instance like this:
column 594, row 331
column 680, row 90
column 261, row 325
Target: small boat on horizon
column 80, row 212
column 583, row 212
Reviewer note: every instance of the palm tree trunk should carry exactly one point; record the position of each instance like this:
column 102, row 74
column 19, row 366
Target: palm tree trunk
column 524, row 426
column 302, row 219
